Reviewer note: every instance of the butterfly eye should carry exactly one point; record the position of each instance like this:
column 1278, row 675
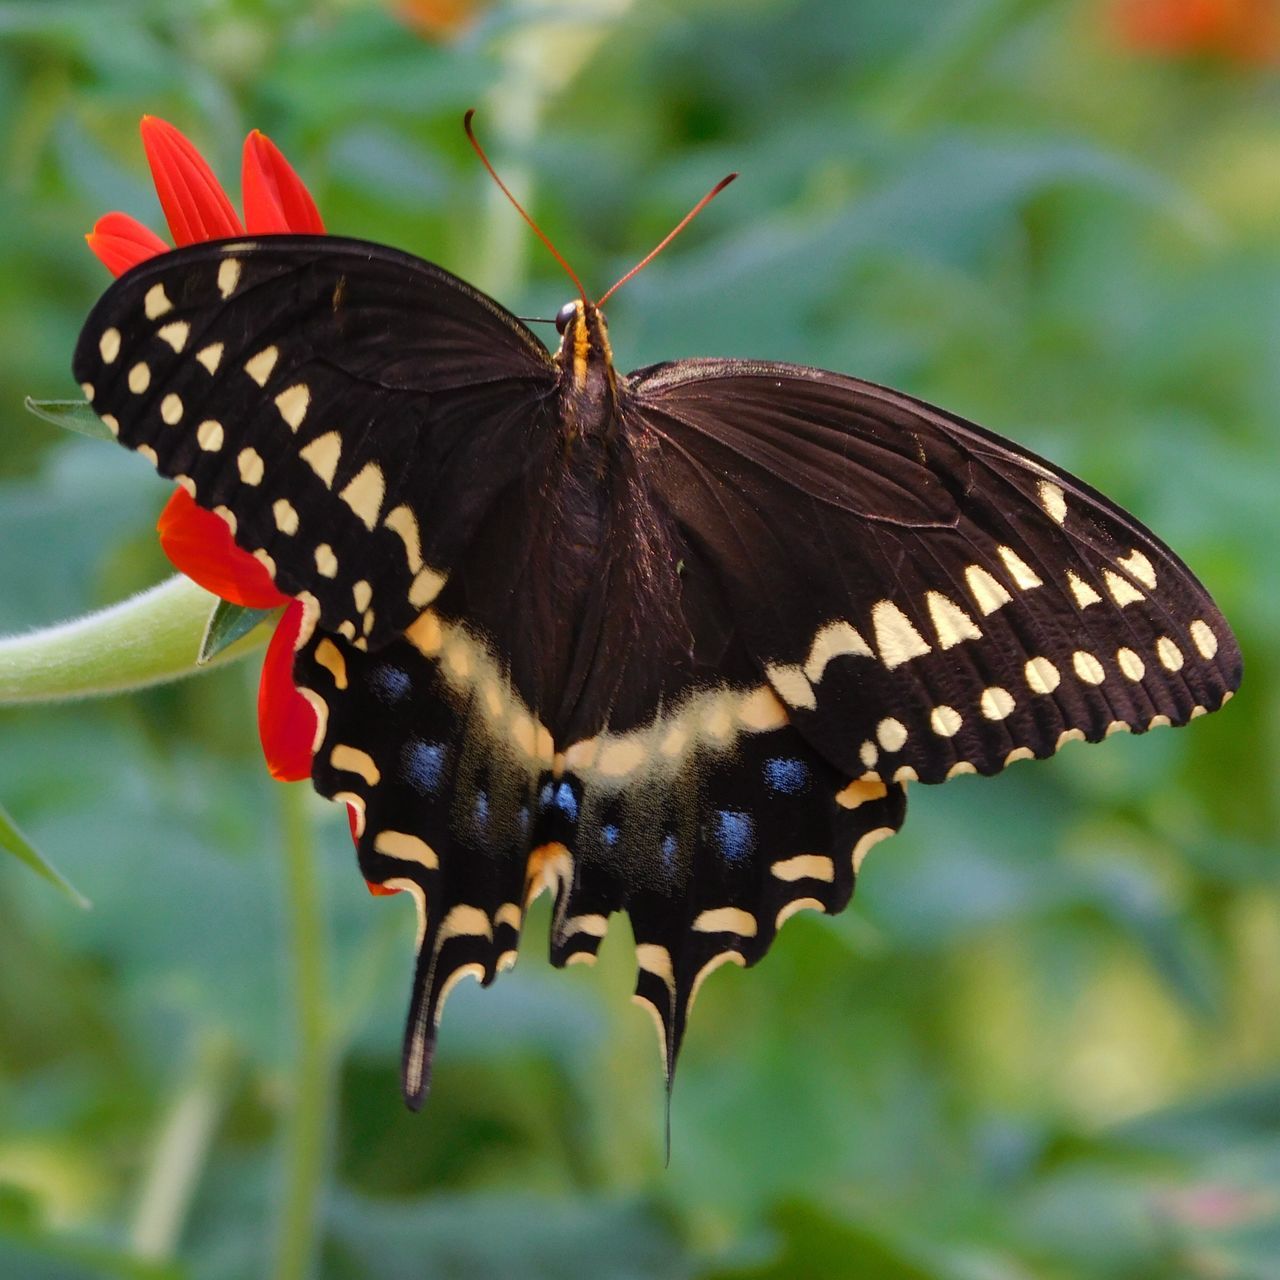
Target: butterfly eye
column 564, row 315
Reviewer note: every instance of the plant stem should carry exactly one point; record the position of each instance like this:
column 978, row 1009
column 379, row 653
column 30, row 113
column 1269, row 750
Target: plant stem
column 180, row 1151
column 307, row 1127
column 148, row 639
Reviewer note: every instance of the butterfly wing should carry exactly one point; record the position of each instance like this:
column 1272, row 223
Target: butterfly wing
column 925, row 597
column 351, row 411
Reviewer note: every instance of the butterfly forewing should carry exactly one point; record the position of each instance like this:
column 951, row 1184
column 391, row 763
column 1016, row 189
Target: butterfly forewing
column 925, row 598
column 351, row 412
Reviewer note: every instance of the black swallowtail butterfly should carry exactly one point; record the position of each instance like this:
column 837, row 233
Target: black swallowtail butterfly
column 671, row 643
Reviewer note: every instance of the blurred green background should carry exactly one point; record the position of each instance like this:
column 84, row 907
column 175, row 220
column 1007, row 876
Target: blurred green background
column 1045, row 1039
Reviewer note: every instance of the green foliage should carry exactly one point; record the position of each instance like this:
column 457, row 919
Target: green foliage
column 1042, row 1044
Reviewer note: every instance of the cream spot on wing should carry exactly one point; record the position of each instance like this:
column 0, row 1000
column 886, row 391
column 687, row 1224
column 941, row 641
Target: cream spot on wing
column 1117, row 726
column 406, row 847
column 792, row 686
column 996, row 703
column 794, row 907
column 950, row 621
column 146, row 451
column 859, row 792
column 835, row 640
column 401, row 520
column 366, row 623
column 321, row 709
column 210, row 356
column 1053, row 500
column 619, row 758
column 987, row 593
column 228, row 517
column 891, row 734
column 868, row 753
column 187, row 483
column 292, row 403
column 249, row 463
column 1122, row 591
column 263, row 557
column 109, row 345
column 1021, row 572
column 1068, row 735
column 139, row 377
column 1087, row 667
column 1129, row 663
column 87, row 388
column 426, row 585
column 353, row 760
column 866, row 843
column 286, row 516
column 329, row 656
column 425, row 634
column 1159, row 722
column 228, row 276
column 322, row 455
column 896, row 639
column 1084, row 594
column 364, row 494
column 1197, row 711
column 1203, row 638
column 726, row 920
column 582, row 754
column 761, row 710
column 210, row 437
column 945, row 721
column 1137, row 565
column 259, row 367
column 174, row 334
column 362, row 594
column 113, row 424
column 171, row 409
column 656, row 960
column 1042, row 675
column 905, row 773
column 156, row 302
column 961, row 767
column 805, row 866
column 1169, row 654
column 1019, row 753
column 327, row 566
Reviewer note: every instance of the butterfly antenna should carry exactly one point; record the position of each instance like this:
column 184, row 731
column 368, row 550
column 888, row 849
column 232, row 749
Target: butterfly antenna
column 670, row 236
column 519, row 208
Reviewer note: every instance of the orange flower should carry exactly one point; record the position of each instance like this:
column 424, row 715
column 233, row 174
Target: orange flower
column 196, row 541
column 1245, row 31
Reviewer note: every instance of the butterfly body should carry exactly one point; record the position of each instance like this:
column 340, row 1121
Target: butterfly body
column 672, row 642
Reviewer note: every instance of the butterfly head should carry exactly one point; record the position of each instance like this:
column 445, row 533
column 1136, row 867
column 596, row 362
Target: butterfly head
column 587, row 379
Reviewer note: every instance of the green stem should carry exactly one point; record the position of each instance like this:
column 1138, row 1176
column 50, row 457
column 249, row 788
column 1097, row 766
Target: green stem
column 306, row 1136
column 181, row 1150
column 148, row 639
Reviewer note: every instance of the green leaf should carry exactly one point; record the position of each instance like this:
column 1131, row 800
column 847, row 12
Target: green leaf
column 17, row 844
column 71, row 415
column 228, row 623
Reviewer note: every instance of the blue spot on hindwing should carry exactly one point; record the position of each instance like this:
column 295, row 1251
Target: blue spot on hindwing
column 559, row 795
column 423, row 765
column 482, row 809
column 669, row 846
column 390, row 684
column 609, row 834
column 734, row 833
column 786, row 774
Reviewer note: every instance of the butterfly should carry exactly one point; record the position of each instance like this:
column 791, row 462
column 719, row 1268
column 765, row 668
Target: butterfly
column 672, row 642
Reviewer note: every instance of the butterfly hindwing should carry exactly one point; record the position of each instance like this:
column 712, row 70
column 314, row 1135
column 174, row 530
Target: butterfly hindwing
column 925, row 598
column 352, row 412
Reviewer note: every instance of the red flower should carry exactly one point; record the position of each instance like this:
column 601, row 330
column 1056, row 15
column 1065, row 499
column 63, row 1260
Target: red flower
column 1244, row 31
column 196, row 541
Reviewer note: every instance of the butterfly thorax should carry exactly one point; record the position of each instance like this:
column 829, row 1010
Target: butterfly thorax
column 588, row 383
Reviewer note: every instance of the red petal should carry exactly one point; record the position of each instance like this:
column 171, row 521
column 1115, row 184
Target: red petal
column 275, row 199
column 194, row 203
column 199, row 544
column 286, row 720
column 121, row 242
